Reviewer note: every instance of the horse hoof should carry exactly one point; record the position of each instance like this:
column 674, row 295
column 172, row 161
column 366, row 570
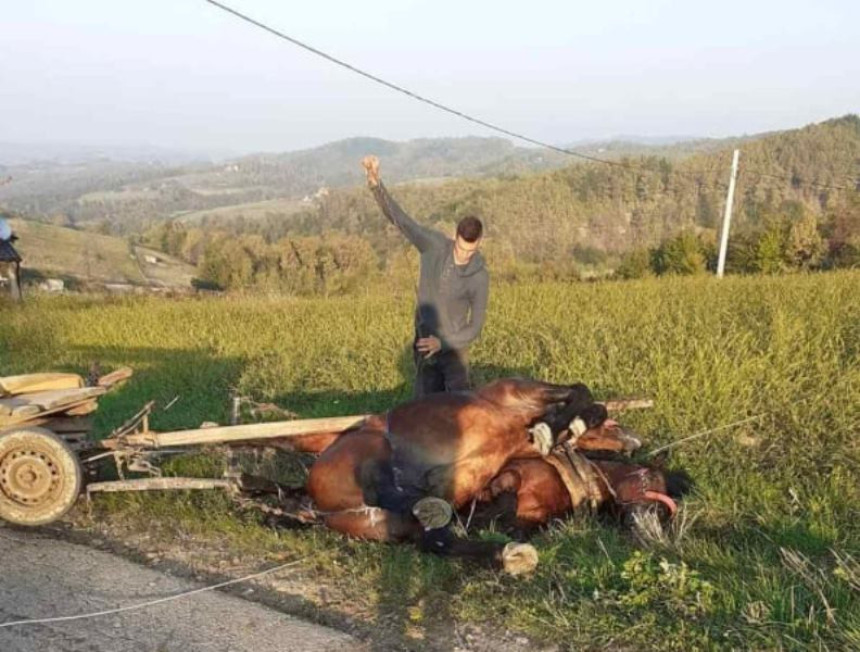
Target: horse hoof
column 519, row 558
column 432, row 513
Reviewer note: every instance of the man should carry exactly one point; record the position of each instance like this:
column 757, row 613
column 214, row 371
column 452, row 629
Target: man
column 453, row 288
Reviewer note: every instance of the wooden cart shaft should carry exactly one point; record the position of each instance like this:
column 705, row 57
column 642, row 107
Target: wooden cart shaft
column 275, row 430
column 234, row 434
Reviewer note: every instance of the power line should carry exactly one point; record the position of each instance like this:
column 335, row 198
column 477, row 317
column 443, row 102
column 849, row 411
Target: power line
column 797, row 181
column 484, row 123
column 426, row 100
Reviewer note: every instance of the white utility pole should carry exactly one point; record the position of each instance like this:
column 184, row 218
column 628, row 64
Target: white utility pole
column 727, row 218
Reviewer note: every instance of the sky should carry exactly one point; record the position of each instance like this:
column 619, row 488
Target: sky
column 182, row 74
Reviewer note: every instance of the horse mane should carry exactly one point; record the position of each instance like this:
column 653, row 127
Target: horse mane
column 678, row 483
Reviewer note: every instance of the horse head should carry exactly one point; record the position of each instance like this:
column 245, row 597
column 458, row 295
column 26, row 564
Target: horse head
column 638, row 489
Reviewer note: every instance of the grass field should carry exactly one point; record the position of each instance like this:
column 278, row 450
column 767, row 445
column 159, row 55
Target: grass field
column 768, row 557
column 250, row 211
column 63, row 252
column 56, row 251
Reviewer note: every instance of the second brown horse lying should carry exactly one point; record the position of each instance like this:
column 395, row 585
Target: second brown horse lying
column 531, row 492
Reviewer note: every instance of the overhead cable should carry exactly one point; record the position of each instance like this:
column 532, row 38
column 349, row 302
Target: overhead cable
column 478, row 121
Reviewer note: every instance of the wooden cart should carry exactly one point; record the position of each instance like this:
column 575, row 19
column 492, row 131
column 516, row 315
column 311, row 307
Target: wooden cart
column 44, row 447
column 44, row 422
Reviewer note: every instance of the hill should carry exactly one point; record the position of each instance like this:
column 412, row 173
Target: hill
column 78, row 256
column 129, row 192
column 646, row 199
column 795, row 208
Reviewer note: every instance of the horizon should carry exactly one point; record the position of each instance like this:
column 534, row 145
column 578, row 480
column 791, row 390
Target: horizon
column 79, row 151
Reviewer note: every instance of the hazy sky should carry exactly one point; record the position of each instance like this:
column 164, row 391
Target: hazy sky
column 183, row 74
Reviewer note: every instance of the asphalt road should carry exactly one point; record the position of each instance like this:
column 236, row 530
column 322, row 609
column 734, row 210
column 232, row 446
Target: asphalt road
column 43, row 577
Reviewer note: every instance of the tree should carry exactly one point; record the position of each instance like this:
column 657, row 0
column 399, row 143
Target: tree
column 843, row 232
column 636, row 264
column 769, row 257
column 805, row 246
column 681, row 255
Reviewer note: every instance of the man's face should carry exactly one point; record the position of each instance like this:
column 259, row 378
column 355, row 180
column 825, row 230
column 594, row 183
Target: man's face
column 466, row 249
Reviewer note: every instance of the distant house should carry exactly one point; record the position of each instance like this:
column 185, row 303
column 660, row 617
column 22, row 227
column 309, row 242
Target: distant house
column 151, row 260
column 10, row 268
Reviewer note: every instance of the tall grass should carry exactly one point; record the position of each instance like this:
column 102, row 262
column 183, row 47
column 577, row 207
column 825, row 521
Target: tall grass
column 771, row 528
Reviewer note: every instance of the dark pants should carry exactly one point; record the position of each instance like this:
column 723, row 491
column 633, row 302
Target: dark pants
column 447, row 371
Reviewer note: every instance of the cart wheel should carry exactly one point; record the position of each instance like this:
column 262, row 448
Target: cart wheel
column 40, row 476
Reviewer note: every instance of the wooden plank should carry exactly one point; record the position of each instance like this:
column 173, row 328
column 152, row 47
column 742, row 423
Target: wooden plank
column 84, row 408
column 22, row 411
column 622, row 404
column 53, row 399
column 8, row 421
column 115, row 377
column 281, row 429
column 226, row 434
column 160, row 484
column 14, row 385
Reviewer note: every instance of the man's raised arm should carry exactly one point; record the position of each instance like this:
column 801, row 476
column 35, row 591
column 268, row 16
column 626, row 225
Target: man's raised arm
column 422, row 237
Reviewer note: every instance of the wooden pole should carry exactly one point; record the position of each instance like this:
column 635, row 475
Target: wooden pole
column 278, row 430
column 160, row 484
column 727, row 217
column 227, row 434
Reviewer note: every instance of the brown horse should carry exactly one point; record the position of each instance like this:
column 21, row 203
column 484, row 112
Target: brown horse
column 395, row 478
column 529, row 493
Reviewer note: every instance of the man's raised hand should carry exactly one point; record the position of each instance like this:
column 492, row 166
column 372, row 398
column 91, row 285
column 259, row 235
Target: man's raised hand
column 371, row 168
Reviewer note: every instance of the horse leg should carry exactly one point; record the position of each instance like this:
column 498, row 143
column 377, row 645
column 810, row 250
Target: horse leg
column 578, row 406
column 373, row 524
column 555, row 404
column 513, row 558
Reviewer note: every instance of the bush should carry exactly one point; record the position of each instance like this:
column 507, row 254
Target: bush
column 682, row 255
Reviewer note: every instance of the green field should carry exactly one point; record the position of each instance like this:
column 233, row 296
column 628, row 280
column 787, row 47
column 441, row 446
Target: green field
column 766, row 554
column 280, row 208
column 84, row 256
column 55, row 250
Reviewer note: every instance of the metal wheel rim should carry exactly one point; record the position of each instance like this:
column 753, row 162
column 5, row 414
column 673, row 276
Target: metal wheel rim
column 40, row 476
column 30, row 477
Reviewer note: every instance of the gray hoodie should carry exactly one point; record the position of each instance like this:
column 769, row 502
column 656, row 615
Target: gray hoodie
column 452, row 299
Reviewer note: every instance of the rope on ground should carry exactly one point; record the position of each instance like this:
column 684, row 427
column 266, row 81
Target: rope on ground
column 150, row 603
column 706, row 432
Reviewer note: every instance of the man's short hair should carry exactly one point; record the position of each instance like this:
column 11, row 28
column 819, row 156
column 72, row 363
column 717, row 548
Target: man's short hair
column 470, row 228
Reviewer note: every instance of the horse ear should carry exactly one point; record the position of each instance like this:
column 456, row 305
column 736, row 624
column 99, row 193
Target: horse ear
column 661, row 460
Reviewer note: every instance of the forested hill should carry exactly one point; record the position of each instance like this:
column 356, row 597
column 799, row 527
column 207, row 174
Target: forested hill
column 797, row 206
column 90, row 188
column 614, row 207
